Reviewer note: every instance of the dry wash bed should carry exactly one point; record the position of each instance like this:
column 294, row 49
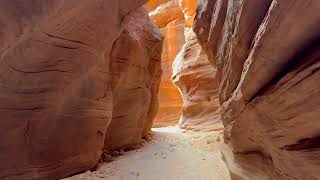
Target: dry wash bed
column 173, row 154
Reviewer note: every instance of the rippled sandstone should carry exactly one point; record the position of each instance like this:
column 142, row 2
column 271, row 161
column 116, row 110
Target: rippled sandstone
column 60, row 87
column 136, row 73
column 195, row 77
column 267, row 58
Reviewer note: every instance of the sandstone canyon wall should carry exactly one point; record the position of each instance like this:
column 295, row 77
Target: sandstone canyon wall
column 169, row 18
column 267, row 57
column 195, row 77
column 67, row 87
column 136, row 74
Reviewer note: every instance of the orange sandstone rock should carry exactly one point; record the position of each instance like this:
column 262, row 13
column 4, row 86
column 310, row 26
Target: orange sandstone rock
column 195, row 77
column 169, row 17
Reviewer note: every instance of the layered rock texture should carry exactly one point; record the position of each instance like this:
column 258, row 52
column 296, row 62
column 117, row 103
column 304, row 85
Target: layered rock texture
column 175, row 19
column 195, row 78
column 169, row 18
column 74, row 78
column 267, row 57
column 136, row 74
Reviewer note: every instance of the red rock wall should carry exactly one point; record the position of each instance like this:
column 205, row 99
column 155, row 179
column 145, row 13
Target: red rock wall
column 136, row 73
column 267, row 58
column 57, row 88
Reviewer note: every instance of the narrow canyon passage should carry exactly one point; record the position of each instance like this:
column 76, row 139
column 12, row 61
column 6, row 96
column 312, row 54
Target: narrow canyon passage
column 173, row 154
column 160, row 89
column 192, row 153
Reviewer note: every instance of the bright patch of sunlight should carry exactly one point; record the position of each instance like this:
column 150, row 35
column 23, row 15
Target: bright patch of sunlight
column 169, row 129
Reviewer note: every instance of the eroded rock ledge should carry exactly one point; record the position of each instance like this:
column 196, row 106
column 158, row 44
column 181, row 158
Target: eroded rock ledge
column 267, row 58
column 74, row 78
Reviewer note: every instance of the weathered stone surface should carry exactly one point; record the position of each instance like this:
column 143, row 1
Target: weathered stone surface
column 136, row 73
column 153, row 4
column 169, row 12
column 169, row 17
column 267, row 58
column 195, row 77
column 56, row 90
column 189, row 11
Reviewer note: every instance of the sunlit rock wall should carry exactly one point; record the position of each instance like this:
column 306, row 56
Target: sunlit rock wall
column 168, row 16
column 195, row 77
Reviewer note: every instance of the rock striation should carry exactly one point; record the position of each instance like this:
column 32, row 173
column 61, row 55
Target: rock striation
column 267, row 57
column 195, row 78
column 65, row 79
column 136, row 74
column 182, row 53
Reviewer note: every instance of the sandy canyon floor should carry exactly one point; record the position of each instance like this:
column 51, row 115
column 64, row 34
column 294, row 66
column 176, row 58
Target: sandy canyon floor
column 173, row 154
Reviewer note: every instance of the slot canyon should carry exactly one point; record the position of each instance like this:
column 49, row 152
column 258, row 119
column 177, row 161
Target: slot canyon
column 160, row 89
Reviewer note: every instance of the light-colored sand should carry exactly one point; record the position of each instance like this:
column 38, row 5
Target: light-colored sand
column 173, row 154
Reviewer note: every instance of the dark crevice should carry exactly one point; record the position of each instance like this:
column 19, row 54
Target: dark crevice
column 33, row 91
column 309, row 75
column 23, row 109
column 57, row 45
column 118, row 117
column 65, row 39
column 65, row 47
column 304, row 144
column 306, row 57
column 36, row 72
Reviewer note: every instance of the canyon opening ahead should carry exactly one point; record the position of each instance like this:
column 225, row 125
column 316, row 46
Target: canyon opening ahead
column 160, row 89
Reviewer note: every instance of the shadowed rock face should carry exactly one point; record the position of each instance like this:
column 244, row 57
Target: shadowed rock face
column 58, row 91
column 267, row 58
column 136, row 73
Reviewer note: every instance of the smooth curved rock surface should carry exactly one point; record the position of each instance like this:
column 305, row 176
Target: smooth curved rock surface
column 267, row 58
column 195, row 77
column 136, row 74
column 168, row 16
column 56, row 83
column 192, row 73
column 189, row 8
